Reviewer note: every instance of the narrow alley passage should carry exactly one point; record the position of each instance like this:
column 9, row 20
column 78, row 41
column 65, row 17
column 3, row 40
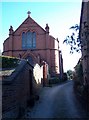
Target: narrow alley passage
column 57, row 102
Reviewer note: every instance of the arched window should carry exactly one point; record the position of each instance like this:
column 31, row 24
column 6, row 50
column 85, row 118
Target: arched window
column 23, row 40
column 29, row 40
column 34, row 39
column 30, row 59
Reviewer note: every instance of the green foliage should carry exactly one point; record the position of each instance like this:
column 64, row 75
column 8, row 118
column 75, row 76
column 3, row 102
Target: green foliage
column 70, row 74
column 73, row 40
column 8, row 62
column 79, row 72
column 65, row 78
column 54, row 80
column 78, row 78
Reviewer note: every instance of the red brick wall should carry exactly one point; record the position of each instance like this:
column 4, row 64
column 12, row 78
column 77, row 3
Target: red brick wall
column 46, row 45
column 16, row 91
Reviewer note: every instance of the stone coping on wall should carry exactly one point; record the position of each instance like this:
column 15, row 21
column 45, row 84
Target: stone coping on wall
column 6, row 72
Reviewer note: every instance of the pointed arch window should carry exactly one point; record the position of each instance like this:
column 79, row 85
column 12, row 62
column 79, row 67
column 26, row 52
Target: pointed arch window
column 29, row 40
column 23, row 40
column 30, row 59
column 34, row 40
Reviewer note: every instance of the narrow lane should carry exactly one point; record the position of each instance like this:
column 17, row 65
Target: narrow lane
column 67, row 105
column 57, row 102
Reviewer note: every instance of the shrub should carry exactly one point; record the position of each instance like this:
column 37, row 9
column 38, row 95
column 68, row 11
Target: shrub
column 78, row 78
column 65, row 77
column 8, row 62
column 54, row 80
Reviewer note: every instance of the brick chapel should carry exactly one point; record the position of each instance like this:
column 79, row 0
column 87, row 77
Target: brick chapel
column 30, row 41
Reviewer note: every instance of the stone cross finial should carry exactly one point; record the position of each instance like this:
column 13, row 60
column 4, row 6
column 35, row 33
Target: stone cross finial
column 47, row 28
column 11, row 30
column 28, row 13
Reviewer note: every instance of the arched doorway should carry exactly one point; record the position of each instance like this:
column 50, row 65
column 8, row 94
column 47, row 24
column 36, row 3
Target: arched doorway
column 30, row 60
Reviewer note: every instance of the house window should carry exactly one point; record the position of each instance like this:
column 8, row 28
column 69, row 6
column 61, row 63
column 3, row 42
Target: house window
column 28, row 40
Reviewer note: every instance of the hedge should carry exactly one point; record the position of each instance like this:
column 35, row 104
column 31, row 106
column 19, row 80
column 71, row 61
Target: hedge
column 8, row 62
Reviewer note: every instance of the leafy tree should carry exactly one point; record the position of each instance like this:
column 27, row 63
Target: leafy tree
column 78, row 79
column 65, row 78
column 73, row 40
column 79, row 72
column 70, row 74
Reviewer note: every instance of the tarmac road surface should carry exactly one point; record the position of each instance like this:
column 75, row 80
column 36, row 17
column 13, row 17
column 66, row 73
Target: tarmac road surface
column 57, row 102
